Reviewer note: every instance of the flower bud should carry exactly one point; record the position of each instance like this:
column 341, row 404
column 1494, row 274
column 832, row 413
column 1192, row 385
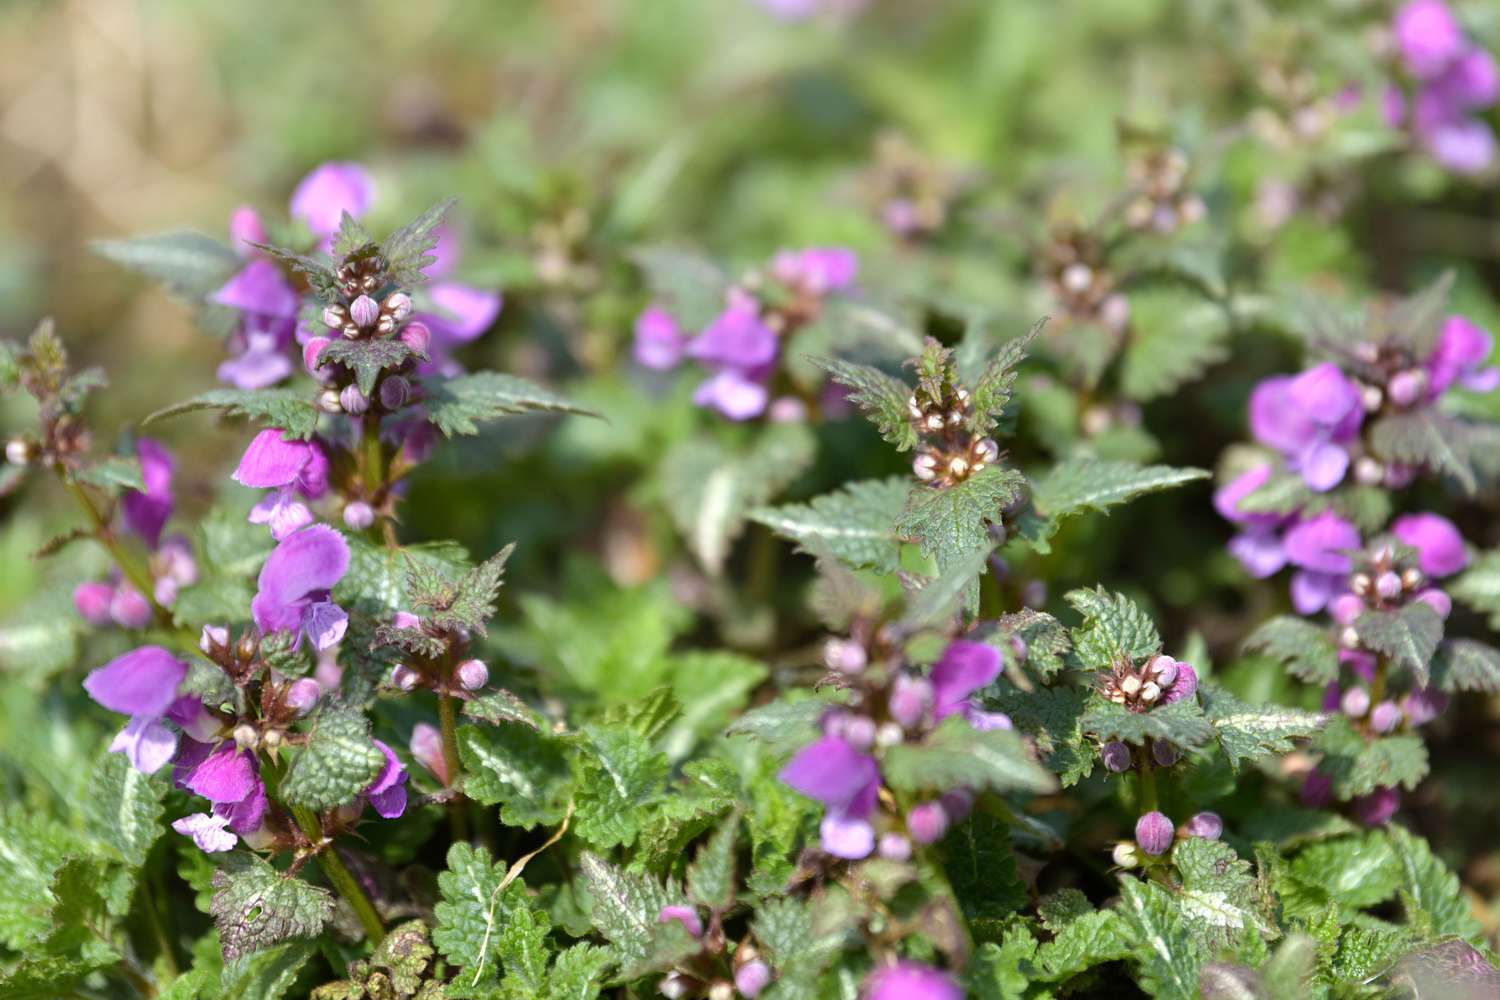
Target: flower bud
column 398, row 304
column 1164, row 669
column 1131, row 685
column 405, row 619
column 958, row 467
column 957, row 803
column 272, row 739
column 1385, row 717
column 417, row 337
column 927, row 822
column 1345, row 608
column 213, row 637
column 894, row 847
column 1423, row 705
column 358, row 515
column 1411, row 579
column 1406, row 388
column 676, row 985
column 1125, row 855
column 352, row 401
column 1206, row 825
column 1438, row 600
column 1355, row 703
column 1164, row 753
column 787, row 410
column 752, row 977
column 1349, row 638
column 1116, row 756
column 911, row 697
column 986, row 451
column 845, row 656
column 405, row 677
column 684, row 915
column 859, row 732
column 427, row 748
column 1361, row 584
column 310, row 352
column 129, row 608
column 334, row 317
column 92, row 600
column 889, row 735
column 924, row 467
column 364, row 311
column 1368, row 471
column 328, row 401
column 473, row 675
column 246, row 736
column 1371, row 398
column 1150, row 691
column 1377, row 808
column 1388, row 585
column 393, row 392
column 303, row 695
column 1077, row 278
column 1154, row 833
column 1317, row 790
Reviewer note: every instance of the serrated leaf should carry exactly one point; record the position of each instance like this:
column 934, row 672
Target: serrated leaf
column 1409, row 635
column 459, row 405
column 1356, row 871
column 1358, row 766
column 266, row 974
column 190, row 264
column 953, row 522
column 956, row 754
column 1168, row 956
column 1432, row 893
column 339, row 761
column 981, row 868
column 523, row 770
column 320, row 277
column 256, row 906
column 474, row 910
column 1479, row 586
column 882, row 398
column 710, row 878
column 1113, row 625
column 32, row 848
column 523, row 951
column 1046, row 640
column 783, row 725
column 285, row 409
column 992, row 390
column 124, row 807
column 406, row 249
column 368, row 358
column 117, row 472
column 956, row 588
column 578, row 973
column 1052, row 718
column 709, row 488
column 1248, row 732
column 1174, row 338
column 1306, row 650
column 1424, row 438
column 618, row 774
column 1092, row 939
column 1466, row 665
column 1182, row 723
column 856, row 524
column 1083, row 483
column 625, row 907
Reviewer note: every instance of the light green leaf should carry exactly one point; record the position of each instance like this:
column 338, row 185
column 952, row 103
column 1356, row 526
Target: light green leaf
column 459, row 405
column 191, row 264
column 339, row 761
column 255, row 906
column 958, row 754
column 286, row 409
column 855, row 524
column 1248, row 732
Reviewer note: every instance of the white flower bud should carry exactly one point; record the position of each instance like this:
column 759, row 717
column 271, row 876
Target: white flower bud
column 958, row 467
column 1372, row 397
column 1150, row 692
column 17, row 451
column 398, row 304
column 1349, row 638
column 1077, row 278
column 924, row 467
column 335, row 317
column 1412, row 579
column 405, row 677
column 1131, row 684
column 889, row 735
column 246, row 737
column 1125, row 854
column 212, row 637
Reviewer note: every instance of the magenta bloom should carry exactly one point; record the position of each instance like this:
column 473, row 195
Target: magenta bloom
column 1455, row 79
column 143, row 685
column 659, row 340
column 1377, row 808
column 295, row 582
column 816, row 270
column 911, row 981
column 427, row 748
column 332, row 189
column 1459, row 357
column 1308, row 417
column 737, row 394
column 684, row 915
column 1436, row 539
column 1320, row 548
column 290, row 468
column 229, row 777
column 388, row 792
column 737, row 338
column 1154, row 833
column 146, row 513
column 1428, row 37
column 964, row 668
column 455, row 314
column 268, row 306
column 847, row 782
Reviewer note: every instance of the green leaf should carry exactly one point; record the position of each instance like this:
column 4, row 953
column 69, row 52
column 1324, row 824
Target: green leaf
column 992, row 390
column 882, row 398
column 856, row 524
column 1052, row 718
column 320, row 277
column 958, row 754
column 625, row 906
column 474, row 910
column 468, row 603
column 955, row 588
column 368, row 358
column 117, row 472
column 1355, row 871
column 523, row 951
column 285, row 409
column 255, row 906
column 1046, row 640
column 459, row 405
column 339, row 761
column 524, row 770
column 1307, row 650
column 708, row 489
column 1466, row 665
column 1003, row 971
column 1479, row 586
column 264, row 975
column 1248, row 732
column 1083, row 483
column 691, row 286
column 1432, row 894
column 406, row 249
column 124, row 807
column 1094, row 938
column 712, row 687
column 953, row 522
column 710, row 878
column 32, row 846
column 1427, row 438
column 1283, row 493
column 192, row 265
column 1174, row 338
column 981, row 868
column 1358, row 766
column 1113, row 626
column 1182, row 723
column 1168, row 956
column 618, row 774
column 578, row 973
column 781, row 724
column 1409, row 635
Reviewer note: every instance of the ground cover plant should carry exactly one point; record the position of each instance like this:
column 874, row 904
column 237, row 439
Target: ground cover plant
column 927, row 511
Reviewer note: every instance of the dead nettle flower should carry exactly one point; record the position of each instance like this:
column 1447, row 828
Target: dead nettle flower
column 1161, row 680
column 911, row 193
column 1076, row 273
column 1161, row 200
column 943, row 415
column 889, row 706
column 291, row 469
column 1154, row 833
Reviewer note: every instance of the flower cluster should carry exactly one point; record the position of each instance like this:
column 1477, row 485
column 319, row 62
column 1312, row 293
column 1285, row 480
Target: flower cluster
column 1080, row 281
column 1450, row 81
column 887, row 707
column 1161, row 200
column 740, row 346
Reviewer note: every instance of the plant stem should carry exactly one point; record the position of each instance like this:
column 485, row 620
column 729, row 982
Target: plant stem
column 449, row 720
column 343, row 880
column 374, row 457
column 1148, row 783
column 131, row 567
column 1377, row 686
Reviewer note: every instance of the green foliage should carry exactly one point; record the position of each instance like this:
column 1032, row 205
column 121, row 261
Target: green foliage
column 191, row 264
column 856, row 524
column 710, row 878
column 339, row 760
column 957, row 754
column 1308, row 651
column 368, row 358
column 1174, row 338
column 523, row 770
column 1479, row 586
column 1466, row 665
column 981, row 868
column 406, row 249
column 124, row 807
column 1425, row 437
column 255, row 906
column 950, row 524
column 882, row 398
column 1181, row 723
column 474, row 910
column 625, row 907
column 1408, row 635
column 459, row 405
column 691, row 287
column 1249, row 732
column 285, row 409
column 1113, row 626
column 1168, row 958
column 1358, row 765
column 1085, row 483
column 618, row 773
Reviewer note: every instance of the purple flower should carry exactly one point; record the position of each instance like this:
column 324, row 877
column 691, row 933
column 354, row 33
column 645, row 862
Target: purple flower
column 142, row 682
column 737, row 338
column 1319, row 546
column 909, row 700
column 427, row 747
column 1427, row 36
column 92, row 600
column 289, row 467
column 458, row 314
column 1377, row 808
column 388, row 792
column 332, row 189
column 1440, row 546
column 1183, row 686
column 1461, row 350
column 1422, row 705
column 738, row 395
column 1116, row 756
column 816, row 270
column 261, row 289
column 147, row 512
column 684, row 915
column 207, row 830
column 246, row 228
column 1207, row 825
column 1227, row 499
column 927, row 822
column 259, row 357
column 751, row 978
column 295, row 582
column 1154, row 833
column 1259, row 550
column 659, row 341
column 847, row 782
column 227, row 776
column 911, row 981
column 1307, row 418
column 964, row 668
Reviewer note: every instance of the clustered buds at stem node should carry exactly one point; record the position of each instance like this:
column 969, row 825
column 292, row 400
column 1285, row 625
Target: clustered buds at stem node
column 1154, row 833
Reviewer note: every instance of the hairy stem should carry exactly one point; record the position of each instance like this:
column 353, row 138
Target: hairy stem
column 131, row 567
column 338, row 874
column 1148, row 783
column 457, row 806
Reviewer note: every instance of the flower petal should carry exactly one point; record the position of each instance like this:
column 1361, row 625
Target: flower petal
column 141, row 682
